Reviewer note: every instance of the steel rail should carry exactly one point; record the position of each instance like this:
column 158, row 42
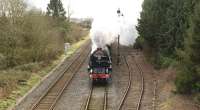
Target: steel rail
column 129, row 85
column 86, row 107
column 89, row 98
column 105, row 99
column 54, row 101
column 142, row 86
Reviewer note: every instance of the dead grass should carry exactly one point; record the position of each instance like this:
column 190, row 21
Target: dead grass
column 32, row 73
column 167, row 99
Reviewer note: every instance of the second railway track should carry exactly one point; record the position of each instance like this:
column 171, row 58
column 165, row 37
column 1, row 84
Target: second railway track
column 137, row 91
column 50, row 98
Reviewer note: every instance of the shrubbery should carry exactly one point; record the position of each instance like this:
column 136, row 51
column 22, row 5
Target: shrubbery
column 9, row 79
column 76, row 30
column 139, row 43
column 171, row 30
column 185, row 82
column 30, row 40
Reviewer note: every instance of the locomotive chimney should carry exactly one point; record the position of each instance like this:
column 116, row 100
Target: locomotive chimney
column 99, row 48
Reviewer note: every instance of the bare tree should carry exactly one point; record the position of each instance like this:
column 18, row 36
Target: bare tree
column 12, row 8
column 11, row 14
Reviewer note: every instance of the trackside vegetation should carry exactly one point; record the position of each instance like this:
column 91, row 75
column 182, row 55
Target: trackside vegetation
column 31, row 44
column 171, row 29
column 18, row 90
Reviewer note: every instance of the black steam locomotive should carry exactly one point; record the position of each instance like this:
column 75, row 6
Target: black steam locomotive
column 100, row 65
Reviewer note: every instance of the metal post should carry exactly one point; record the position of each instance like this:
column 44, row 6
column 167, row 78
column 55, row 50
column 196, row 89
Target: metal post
column 118, row 39
column 118, row 50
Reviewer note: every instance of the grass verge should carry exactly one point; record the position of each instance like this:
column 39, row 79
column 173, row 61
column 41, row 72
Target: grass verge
column 35, row 77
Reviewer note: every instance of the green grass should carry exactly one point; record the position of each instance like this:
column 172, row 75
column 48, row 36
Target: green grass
column 19, row 92
column 36, row 77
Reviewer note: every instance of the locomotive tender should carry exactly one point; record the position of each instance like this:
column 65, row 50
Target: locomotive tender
column 100, row 65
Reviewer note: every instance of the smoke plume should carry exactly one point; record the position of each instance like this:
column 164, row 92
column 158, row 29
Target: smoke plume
column 106, row 30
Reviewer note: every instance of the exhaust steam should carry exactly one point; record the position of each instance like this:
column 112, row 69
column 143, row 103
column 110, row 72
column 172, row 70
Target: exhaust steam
column 105, row 31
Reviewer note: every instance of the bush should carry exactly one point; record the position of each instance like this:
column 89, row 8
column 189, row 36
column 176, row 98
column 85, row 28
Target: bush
column 166, row 62
column 32, row 38
column 76, row 33
column 9, row 79
column 197, row 98
column 197, row 86
column 185, row 81
column 28, row 37
column 139, row 43
column 2, row 61
column 31, row 67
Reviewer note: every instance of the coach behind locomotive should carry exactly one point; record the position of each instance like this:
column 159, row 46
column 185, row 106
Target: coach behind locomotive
column 100, row 65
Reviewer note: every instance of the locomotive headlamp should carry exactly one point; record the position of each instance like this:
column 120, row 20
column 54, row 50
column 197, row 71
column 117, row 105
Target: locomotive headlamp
column 89, row 68
column 91, row 71
column 107, row 71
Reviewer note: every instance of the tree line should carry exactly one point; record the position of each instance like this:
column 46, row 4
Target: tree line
column 31, row 40
column 171, row 28
column 30, row 35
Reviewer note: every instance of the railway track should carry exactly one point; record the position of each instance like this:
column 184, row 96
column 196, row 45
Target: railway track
column 48, row 100
column 130, row 87
column 97, row 98
column 150, row 99
column 142, row 86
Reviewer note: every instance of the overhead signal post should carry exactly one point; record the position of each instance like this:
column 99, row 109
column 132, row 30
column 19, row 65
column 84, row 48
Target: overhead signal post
column 118, row 39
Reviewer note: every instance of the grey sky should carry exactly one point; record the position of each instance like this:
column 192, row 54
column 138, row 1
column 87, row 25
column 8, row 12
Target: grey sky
column 97, row 8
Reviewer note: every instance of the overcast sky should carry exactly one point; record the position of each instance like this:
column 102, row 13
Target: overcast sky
column 97, row 8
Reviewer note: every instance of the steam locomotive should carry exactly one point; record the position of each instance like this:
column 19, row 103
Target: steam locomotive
column 100, row 65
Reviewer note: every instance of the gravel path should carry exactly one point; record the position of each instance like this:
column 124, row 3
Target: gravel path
column 119, row 83
column 76, row 93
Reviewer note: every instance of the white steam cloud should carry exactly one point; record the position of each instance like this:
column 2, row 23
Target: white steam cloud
column 106, row 30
